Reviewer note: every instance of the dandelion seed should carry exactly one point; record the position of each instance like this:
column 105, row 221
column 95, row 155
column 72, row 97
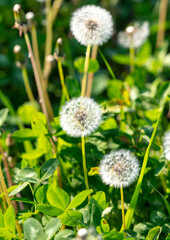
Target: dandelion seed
column 80, row 117
column 166, row 145
column 91, row 25
column 135, row 34
column 119, row 168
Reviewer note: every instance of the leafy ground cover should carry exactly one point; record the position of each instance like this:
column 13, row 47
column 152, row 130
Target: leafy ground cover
column 84, row 120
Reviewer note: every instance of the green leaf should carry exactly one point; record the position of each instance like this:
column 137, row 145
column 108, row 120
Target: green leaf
column 18, row 189
column 40, row 194
column 48, row 168
column 104, row 227
column 34, row 154
column 71, row 218
column 93, row 65
column 99, row 199
column 38, row 123
column 154, row 233
column 114, row 89
column 113, row 235
column 49, row 210
column 58, row 198
column 79, row 198
column 52, row 227
column 132, row 206
column 26, row 112
column 20, row 199
column 9, row 219
column 3, row 115
column 157, row 217
column 33, row 230
column 25, row 134
column 5, row 234
column 1, row 219
column 168, row 237
column 121, row 58
column 65, row 234
column 27, row 175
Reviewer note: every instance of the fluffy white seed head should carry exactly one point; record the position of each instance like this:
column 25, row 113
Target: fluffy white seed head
column 166, row 145
column 17, row 8
column 119, row 168
column 135, row 34
column 30, row 16
column 92, row 25
column 80, row 117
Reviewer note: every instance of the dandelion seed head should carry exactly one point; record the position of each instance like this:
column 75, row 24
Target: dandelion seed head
column 135, row 34
column 29, row 16
column 119, row 168
column 17, row 8
column 82, row 233
column 80, row 117
column 91, row 25
column 166, row 145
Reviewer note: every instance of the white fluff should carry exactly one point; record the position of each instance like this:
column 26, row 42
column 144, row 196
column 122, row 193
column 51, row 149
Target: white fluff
column 119, row 168
column 80, row 117
column 92, row 25
column 136, row 37
column 166, row 145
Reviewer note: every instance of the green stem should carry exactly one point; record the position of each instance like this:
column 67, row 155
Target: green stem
column 122, row 123
column 133, row 202
column 86, row 65
column 37, row 79
column 18, row 227
column 27, row 86
column 84, row 164
column 72, row 222
column 64, row 88
column 90, row 75
column 123, row 210
column 132, row 57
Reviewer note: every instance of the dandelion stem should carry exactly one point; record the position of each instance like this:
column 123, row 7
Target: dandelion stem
column 123, row 210
column 90, row 75
column 64, row 88
column 84, row 164
column 37, row 79
column 86, row 65
column 35, row 47
column 27, row 86
column 132, row 57
column 122, row 123
column 161, row 23
column 37, row 60
column 55, row 8
column 48, row 42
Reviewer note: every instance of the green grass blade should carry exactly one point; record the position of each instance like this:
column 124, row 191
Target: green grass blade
column 132, row 206
column 107, row 65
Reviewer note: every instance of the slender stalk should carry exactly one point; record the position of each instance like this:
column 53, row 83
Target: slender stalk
column 4, row 206
column 161, row 23
column 55, row 8
column 123, row 210
column 133, row 202
column 122, row 123
column 37, row 60
column 84, row 164
column 86, row 65
column 48, row 42
column 27, row 85
column 37, row 79
column 18, row 227
column 35, row 47
column 90, row 75
column 132, row 57
column 64, row 88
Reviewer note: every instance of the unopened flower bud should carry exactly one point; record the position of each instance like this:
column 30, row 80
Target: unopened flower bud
column 59, row 41
column 30, row 18
column 20, row 20
column 17, row 8
column 19, row 56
